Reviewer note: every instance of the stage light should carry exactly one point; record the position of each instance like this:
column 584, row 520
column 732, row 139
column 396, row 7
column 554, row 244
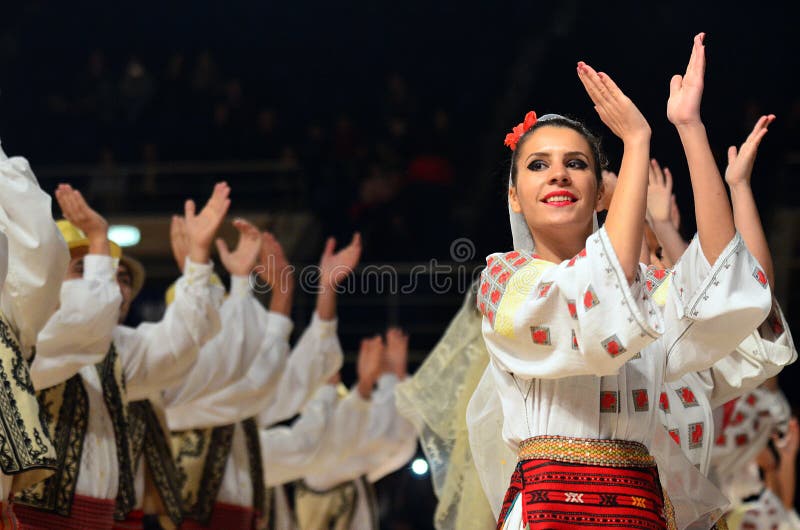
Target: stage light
column 124, row 235
column 419, row 467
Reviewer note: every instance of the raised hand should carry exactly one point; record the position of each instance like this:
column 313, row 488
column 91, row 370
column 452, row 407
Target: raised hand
column 609, row 185
column 78, row 212
column 396, row 357
column 370, row 361
column 178, row 240
column 686, row 92
column 659, row 194
column 274, row 268
column 674, row 211
column 201, row 228
column 789, row 444
column 241, row 261
column 615, row 108
column 335, row 267
column 740, row 164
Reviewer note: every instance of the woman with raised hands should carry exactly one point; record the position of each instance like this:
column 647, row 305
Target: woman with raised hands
column 578, row 349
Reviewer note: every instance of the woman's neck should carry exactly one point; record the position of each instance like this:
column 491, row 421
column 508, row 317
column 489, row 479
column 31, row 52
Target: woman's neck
column 559, row 245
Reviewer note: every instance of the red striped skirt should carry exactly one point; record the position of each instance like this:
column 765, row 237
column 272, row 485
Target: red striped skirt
column 87, row 513
column 224, row 517
column 602, row 484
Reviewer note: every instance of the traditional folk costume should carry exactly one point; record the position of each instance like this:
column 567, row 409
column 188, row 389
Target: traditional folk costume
column 338, row 493
column 215, row 438
column 159, row 492
column 747, row 424
column 87, row 371
column 571, row 346
column 33, row 258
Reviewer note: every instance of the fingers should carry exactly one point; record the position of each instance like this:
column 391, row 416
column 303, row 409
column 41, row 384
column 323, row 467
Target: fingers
column 731, row 155
column 697, row 62
column 222, row 248
column 675, row 85
column 592, row 83
column 330, row 245
column 245, row 228
column 668, row 179
column 189, row 209
column 356, row 241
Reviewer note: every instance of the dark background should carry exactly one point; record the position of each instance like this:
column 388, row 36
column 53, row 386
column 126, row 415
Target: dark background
column 383, row 118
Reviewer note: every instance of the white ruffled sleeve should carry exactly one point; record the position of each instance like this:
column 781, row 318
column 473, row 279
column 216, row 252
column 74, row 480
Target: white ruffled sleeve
column 37, row 254
column 316, row 357
column 79, row 333
column 577, row 318
column 288, row 452
column 760, row 356
column 157, row 355
column 246, row 396
column 711, row 309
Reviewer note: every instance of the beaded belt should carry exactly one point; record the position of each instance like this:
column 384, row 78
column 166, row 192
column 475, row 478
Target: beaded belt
column 610, row 453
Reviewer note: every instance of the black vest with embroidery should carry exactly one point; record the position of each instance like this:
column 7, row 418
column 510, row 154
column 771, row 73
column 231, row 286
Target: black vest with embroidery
column 26, row 449
column 66, row 407
column 339, row 503
column 148, row 440
column 201, row 456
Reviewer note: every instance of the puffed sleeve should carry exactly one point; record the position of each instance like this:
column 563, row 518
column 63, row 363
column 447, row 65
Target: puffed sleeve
column 246, row 396
column 79, row 333
column 288, row 452
column 157, row 355
column 316, row 356
column 580, row 317
column 224, row 359
column 37, row 254
column 710, row 309
column 760, row 356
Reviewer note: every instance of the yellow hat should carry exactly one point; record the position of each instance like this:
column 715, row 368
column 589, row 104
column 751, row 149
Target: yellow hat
column 75, row 238
column 169, row 296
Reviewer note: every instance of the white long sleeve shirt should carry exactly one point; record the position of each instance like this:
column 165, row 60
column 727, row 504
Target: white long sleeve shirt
column 576, row 351
column 686, row 407
column 153, row 355
column 33, row 258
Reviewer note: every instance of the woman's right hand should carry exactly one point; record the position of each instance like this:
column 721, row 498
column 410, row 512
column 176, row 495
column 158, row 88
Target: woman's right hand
column 615, row 108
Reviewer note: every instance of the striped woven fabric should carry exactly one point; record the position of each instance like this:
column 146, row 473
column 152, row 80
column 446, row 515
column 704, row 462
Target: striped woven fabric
column 558, row 495
column 224, row 517
column 87, row 513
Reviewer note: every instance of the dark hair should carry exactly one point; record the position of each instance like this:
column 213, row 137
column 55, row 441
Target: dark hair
column 600, row 160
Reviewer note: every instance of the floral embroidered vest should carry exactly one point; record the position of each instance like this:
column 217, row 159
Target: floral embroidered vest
column 148, row 440
column 201, row 456
column 66, row 409
column 26, row 450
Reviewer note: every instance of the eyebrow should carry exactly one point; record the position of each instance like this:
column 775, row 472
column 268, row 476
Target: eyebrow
column 544, row 154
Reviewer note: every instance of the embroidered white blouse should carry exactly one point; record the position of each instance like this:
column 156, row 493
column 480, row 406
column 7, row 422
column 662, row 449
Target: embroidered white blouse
column 576, row 351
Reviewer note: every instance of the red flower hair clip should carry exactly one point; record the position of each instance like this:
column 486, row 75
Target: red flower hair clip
column 516, row 133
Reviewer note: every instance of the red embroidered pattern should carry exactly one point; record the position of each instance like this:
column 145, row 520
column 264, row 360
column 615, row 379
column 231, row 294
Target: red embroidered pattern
column 687, row 397
column 663, row 402
column 613, row 346
column 695, row 435
column 494, row 278
column 590, row 299
column 540, row 335
column 641, row 401
column 609, row 401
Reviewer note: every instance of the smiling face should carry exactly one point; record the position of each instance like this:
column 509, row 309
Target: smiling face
column 556, row 182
